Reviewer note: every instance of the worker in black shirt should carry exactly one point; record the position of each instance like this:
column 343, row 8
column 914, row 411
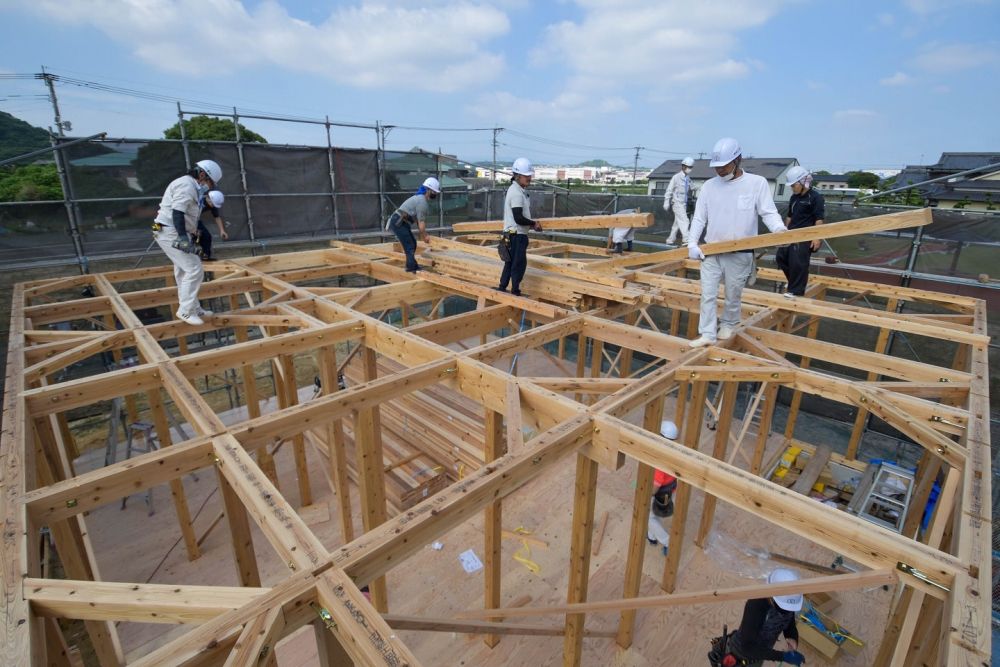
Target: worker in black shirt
column 763, row 620
column 805, row 209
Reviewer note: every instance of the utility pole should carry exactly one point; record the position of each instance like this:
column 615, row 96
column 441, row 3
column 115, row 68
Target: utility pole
column 49, row 79
column 496, row 133
column 635, row 168
column 701, row 155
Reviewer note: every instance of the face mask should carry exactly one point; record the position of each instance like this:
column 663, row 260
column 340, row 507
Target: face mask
column 202, row 189
column 686, row 170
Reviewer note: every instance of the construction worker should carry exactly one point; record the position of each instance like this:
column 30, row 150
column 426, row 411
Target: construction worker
column 517, row 223
column 662, row 505
column 728, row 206
column 213, row 202
column 414, row 209
column 763, row 620
column 805, row 209
column 676, row 199
column 618, row 236
column 174, row 228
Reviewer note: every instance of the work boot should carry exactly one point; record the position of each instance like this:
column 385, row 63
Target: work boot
column 629, row 246
column 618, row 249
column 190, row 318
column 702, row 341
column 725, row 332
column 201, row 312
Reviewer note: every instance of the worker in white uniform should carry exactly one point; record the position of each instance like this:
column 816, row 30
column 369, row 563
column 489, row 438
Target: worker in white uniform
column 174, row 229
column 676, row 199
column 619, row 236
column 727, row 210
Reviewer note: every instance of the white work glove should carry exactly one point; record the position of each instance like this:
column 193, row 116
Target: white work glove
column 781, row 229
column 694, row 252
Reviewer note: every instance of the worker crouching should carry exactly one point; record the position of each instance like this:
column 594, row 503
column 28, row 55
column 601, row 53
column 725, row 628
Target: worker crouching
column 413, row 210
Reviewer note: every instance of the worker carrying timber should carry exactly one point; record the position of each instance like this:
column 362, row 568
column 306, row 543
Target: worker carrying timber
column 805, row 209
column 621, row 236
column 676, row 199
column 413, row 210
column 213, row 203
column 662, row 505
column 727, row 210
column 174, row 229
column 763, row 620
column 517, row 223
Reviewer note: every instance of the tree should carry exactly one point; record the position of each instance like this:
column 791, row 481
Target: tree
column 32, row 182
column 862, row 179
column 209, row 128
column 822, row 172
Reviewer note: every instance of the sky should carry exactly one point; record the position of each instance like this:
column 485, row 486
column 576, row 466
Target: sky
column 839, row 85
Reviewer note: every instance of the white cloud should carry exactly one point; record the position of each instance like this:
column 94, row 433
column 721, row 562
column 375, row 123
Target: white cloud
column 897, row 79
column 506, row 107
column 854, row 115
column 886, row 20
column 660, row 47
column 946, row 58
column 932, row 6
column 440, row 46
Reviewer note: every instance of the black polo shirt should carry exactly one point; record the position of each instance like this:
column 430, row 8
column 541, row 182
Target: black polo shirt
column 805, row 209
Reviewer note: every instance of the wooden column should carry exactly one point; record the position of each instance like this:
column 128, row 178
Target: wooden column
column 651, row 419
column 371, row 480
column 682, row 498
column 793, row 407
column 625, row 363
column 581, row 361
column 862, row 416
column 335, row 445
column 328, row 649
column 722, row 429
column 239, row 530
column 767, row 414
column 579, row 556
column 291, row 387
column 495, row 447
column 264, row 458
column 176, row 484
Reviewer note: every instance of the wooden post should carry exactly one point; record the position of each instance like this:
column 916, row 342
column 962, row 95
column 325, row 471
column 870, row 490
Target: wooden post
column 495, row 447
column 723, row 426
column 859, row 421
column 371, row 480
column 579, row 555
column 793, row 407
column 298, row 442
column 329, row 651
column 651, row 419
column 335, row 445
column 692, row 434
column 767, row 414
column 625, row 363
column 176, row 484
column 239, row 530
column 264, row 458
column 581, row 361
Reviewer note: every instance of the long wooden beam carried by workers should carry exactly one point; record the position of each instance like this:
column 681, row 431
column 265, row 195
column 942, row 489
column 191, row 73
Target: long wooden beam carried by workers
column 878, row 223
column 570, row 222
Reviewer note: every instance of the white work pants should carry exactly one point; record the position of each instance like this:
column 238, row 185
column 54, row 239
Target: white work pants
column 188, row 271
column 681, row 223
column 622, row 234
column 731, row 269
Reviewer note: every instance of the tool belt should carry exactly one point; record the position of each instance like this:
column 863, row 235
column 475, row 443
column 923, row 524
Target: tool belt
column 503, row 248
column 720, row 655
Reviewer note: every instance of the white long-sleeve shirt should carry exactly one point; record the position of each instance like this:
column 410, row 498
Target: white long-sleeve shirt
column 181, row 195
column 678, row 190
column 729, row 209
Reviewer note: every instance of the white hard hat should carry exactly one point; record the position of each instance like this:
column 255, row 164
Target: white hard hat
column 688, row 162
column 795, row 174
column 212, row 168
column 432, row 183
column 668, row 429
column 725, row 151
column 522, row 165
column 786, row 602
column 217, row 198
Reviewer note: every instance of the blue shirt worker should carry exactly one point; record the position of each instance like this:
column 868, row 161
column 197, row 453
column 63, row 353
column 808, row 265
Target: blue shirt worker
column 805, row 209
column 413, row 210
column 213, row 203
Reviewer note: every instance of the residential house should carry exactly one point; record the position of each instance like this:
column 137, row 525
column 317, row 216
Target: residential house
column 943, row 193
column 773, row 169
column 978, row 193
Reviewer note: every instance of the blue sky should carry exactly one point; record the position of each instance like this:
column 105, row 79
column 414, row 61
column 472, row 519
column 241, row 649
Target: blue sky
column 839, row 85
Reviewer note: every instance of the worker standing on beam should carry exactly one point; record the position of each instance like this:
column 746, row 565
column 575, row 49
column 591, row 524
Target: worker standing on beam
column 413, row 210
column 763, row 620
column 176, row 224
column 805, row 209
column 517, row 223
column 727, row 210
column 676, row 200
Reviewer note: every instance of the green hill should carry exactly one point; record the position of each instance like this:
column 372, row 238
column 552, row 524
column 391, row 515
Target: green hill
column 17, row 137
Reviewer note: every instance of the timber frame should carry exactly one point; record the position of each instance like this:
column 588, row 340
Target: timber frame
column 574, row 294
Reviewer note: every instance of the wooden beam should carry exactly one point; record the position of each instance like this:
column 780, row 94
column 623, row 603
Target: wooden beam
column 424, row 624
column 569, row 222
